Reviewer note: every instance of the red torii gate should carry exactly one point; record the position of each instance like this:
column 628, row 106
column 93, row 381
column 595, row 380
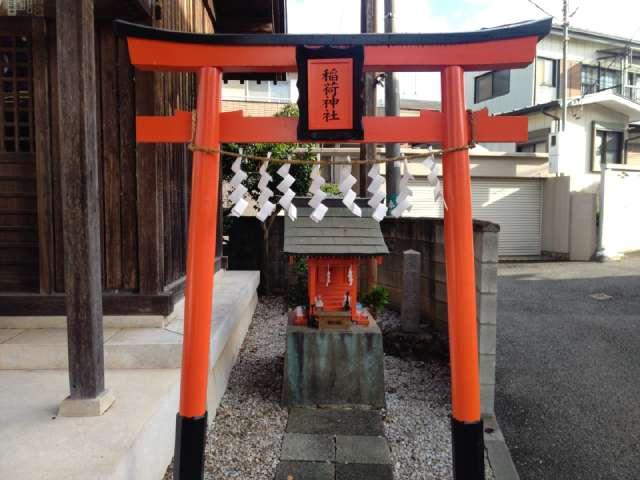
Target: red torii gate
column 512, row 46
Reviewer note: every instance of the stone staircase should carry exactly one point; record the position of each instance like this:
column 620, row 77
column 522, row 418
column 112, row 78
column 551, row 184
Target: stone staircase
column 134, row 439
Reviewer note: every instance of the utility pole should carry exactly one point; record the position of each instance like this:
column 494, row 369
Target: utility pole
column 391, row 108
column 367, row 150
column 565, row 74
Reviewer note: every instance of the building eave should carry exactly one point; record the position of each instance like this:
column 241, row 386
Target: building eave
column 595, row 36
column 611, row 101
column 539, row 108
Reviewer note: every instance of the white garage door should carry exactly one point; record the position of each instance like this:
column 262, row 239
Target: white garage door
column 514, row 204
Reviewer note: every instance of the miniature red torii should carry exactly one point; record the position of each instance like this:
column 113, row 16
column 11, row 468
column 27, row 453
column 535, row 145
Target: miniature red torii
column 451, row 54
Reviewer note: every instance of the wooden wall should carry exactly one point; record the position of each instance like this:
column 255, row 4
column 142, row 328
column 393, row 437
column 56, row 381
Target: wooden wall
column 144, row 188
column 18, row 200
column 176, row 90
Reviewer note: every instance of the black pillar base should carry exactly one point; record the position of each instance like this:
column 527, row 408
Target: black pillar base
column 468, row 450
column 191, row 436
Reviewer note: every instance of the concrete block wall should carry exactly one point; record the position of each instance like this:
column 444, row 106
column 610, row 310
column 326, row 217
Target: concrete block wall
column 426, row 235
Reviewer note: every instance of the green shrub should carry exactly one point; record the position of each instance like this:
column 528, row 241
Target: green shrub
column 376, row 299
column 331, row 189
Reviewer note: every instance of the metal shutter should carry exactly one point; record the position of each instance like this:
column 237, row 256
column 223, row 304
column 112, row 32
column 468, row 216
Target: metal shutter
column 514, row 204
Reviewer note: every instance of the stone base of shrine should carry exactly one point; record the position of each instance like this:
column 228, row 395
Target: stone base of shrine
column 324, row 367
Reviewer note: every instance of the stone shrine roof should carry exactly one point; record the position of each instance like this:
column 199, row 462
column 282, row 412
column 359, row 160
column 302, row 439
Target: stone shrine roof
column 340, row 233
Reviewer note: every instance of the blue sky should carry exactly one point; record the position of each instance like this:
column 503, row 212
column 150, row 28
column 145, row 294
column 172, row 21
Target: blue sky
column 617, row 17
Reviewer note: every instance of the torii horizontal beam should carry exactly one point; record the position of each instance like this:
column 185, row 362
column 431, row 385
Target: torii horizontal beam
column 492, row 48
column 236, row 128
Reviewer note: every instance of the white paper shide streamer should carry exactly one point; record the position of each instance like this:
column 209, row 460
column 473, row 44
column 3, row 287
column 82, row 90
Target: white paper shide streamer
column 239, row 190
column 317, row 195
column 433, row 179
column 403, row 205
column 349, row 196
column 287, row 194
column 266, row 207
column 375, row 189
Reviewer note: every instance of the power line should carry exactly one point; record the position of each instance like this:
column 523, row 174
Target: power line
column 540, row 8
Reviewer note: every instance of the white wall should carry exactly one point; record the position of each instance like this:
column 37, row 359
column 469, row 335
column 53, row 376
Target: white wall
column 280, row 92
column 579, row 129
column 619, row 221
column 578, row 49
column 539, row 121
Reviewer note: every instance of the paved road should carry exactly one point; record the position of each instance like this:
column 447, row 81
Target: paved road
column 568, row 369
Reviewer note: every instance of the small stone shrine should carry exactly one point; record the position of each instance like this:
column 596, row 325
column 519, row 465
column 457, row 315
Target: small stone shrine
column 334, row 347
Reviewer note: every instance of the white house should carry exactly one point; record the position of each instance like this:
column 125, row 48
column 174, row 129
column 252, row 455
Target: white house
column 603, row 129
column 603, row 96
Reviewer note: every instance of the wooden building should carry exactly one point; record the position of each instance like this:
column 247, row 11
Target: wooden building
column 143, row 189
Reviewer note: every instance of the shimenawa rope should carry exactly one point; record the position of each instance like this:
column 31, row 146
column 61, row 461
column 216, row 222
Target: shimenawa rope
column 297, row 161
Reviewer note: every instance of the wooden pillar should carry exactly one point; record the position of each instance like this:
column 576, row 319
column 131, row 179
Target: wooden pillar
column 312, row 264
column 467, row 430
column 372, row 272
column 191, row 422
column 80, row 201
column 353, row 289
column 42, row 127
column 367, row 150
column 149, row 194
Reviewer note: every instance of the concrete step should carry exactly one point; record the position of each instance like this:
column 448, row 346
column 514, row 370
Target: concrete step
column 135, row 348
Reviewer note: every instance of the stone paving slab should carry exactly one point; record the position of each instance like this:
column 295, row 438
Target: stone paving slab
column 324, row 421
column 305, row 471
column 356, row 471
column 308, row 448
column 359, row 449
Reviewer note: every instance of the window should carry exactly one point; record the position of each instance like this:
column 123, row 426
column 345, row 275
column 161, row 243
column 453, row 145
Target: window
column 253, row 90
column 16, row 112
column 633, row 89
column 537, row 141
column 607, row 148
column 537, row 147
column 595, row 79
column 588, row 79
column 609, row 79
column 546, row 72
column 492, row 84
column 280, row 91
column 257, row 90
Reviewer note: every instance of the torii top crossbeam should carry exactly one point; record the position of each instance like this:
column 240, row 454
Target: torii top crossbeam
column 330, row 69
column 495, row 48
column 511, row 46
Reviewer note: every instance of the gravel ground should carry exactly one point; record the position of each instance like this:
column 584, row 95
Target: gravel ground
column 244, row 441
column 417, row 419
column 417, row 423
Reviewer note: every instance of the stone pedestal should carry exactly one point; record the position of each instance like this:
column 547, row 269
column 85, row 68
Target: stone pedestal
column 86, row 407
column 334, row 368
